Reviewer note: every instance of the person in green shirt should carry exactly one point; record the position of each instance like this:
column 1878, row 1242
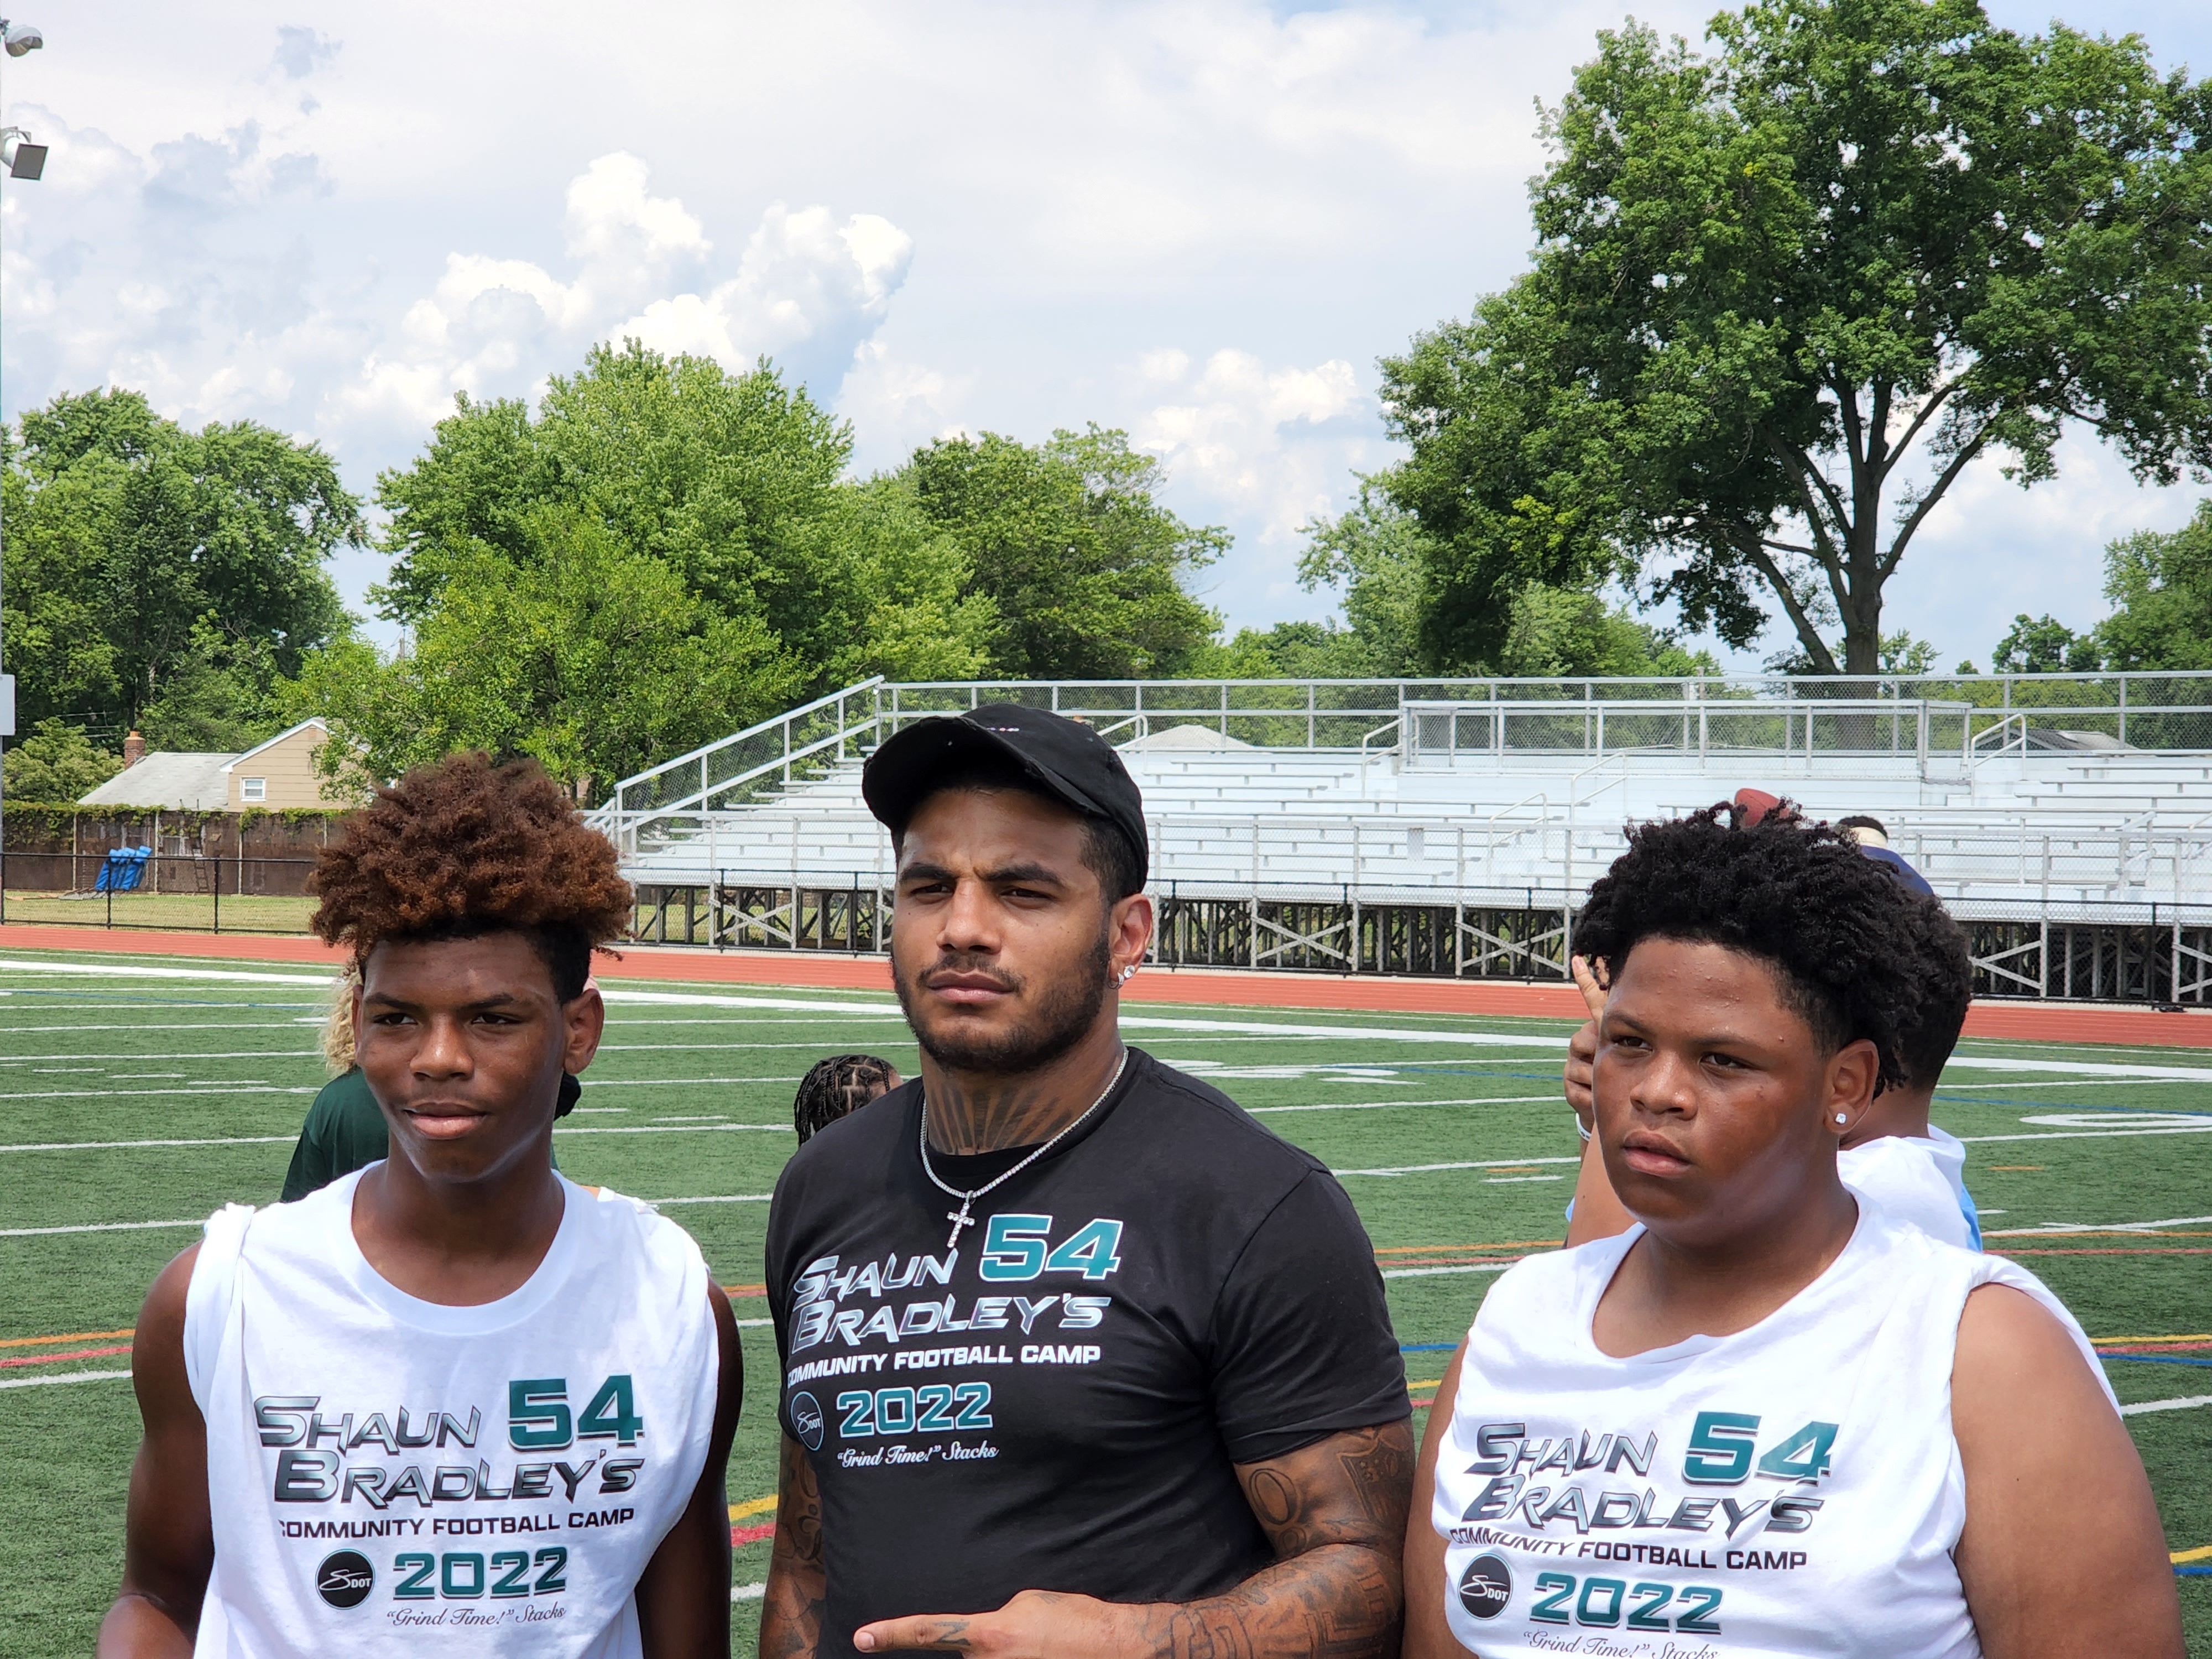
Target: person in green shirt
column 345, row 1129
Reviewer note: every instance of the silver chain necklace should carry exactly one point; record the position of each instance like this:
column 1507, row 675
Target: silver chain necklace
column 960, row 1218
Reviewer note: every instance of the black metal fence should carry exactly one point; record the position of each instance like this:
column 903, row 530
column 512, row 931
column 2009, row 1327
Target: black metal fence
column 224, row 892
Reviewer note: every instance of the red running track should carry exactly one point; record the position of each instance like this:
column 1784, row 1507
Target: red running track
column 2018, row 1021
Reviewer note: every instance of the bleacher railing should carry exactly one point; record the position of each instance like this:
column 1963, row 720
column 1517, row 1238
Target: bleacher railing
column 1952, row 724
column 2165, row 712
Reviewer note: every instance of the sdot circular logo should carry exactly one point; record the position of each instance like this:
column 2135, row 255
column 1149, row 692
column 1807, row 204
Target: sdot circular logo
column 806, row 1418
column 1486, row 1587
column 345, row 1579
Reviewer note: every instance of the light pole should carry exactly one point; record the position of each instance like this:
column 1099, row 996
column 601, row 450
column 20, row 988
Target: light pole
column 23, row 159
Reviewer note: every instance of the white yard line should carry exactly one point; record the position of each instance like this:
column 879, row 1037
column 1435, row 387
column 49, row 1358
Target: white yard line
column 208, row 1086
column 2078, row 1067
column 2097, row 1134
column 125, row 970
column 1433, row 1272
column 99, row 1227
column 1384, row 1105
column 2143, row 1405
column 2096, row 1227
column 1485, row 1164
column 66, row 1377
column 120, row 1145
column 239, row 1054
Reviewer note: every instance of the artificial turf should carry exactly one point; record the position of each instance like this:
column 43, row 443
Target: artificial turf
column 132, row 1104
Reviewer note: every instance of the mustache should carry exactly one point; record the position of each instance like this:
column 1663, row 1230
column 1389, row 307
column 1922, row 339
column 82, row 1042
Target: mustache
column 956, row 963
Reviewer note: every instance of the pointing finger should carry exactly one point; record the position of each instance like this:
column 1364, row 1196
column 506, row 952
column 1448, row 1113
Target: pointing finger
column 1586, row 982
column 936, row 1632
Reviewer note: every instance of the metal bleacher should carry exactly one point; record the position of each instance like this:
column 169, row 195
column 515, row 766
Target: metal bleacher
column 1449, row 827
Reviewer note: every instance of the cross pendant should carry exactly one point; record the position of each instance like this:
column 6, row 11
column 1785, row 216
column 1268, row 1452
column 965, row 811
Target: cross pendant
column 959, row 1219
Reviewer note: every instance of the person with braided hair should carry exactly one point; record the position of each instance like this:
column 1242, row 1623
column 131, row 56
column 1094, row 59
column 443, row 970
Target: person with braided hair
column 1771, row 1418
column 452, row 1396
column 837, row 1087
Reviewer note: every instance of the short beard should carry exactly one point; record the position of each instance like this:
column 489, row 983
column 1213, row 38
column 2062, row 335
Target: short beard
column 1064, row 1015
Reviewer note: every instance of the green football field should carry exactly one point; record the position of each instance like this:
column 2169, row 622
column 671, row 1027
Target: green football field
column 142, row 1093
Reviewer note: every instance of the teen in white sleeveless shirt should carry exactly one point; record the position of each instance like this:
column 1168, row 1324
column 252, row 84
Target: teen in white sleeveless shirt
column 453, row 1404
column 1771, row 1419
column 494, row 1478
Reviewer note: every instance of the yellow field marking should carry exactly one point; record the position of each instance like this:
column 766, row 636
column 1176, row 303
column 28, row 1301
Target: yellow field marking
column 2203, row 1551
column 758, row 1506
column 73, row 1336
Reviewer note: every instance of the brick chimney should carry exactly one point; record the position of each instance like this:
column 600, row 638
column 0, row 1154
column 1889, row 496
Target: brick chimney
column 134, row 750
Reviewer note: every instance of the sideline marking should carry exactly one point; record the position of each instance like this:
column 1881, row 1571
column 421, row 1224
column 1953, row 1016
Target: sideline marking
column 1431, row 1272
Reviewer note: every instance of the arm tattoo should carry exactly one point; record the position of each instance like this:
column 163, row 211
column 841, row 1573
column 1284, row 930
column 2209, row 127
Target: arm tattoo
column 1335, row 1514
column 791, row 1611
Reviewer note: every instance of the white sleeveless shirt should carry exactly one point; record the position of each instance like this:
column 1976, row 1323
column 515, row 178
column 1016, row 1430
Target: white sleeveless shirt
column 1917, row 1178
column 390, row 1476
column 1793, row 1489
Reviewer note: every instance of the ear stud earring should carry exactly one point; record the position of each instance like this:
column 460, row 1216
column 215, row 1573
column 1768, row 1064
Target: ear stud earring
column 1128, row 974
column 1842, row 1118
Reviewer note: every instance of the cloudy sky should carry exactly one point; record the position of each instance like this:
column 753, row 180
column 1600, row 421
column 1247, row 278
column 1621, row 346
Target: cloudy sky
column 1201, row 221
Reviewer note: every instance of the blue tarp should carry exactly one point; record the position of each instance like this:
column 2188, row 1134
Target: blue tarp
column 124, row 868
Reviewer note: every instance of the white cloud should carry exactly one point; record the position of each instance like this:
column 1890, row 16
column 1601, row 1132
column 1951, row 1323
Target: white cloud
column 1277, row 444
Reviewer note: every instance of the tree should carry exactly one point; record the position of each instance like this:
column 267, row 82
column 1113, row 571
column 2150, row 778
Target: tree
column 1382, row 560
column 733, row 482
column 55, row 765
column 150, row 569
column 2044, row 645
column 1081, row 564
column 1784, row 296
column 2161, row 587
column 589, row 656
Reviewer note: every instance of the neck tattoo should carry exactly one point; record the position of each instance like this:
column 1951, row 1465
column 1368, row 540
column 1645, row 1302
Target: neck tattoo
column 961, row 1217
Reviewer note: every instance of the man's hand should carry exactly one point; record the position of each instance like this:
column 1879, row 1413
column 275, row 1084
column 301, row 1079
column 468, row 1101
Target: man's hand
column 1034, row 1624
column 1335, row 1513
column 1581, row 1047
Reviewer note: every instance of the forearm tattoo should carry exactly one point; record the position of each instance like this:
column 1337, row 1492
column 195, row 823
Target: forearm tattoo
column 791, row 1610
column 1335, row 1513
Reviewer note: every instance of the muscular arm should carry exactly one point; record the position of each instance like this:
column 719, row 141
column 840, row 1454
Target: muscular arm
column 683, row 1595
column 2056, row 1497
column 168, row 1538
column 791, row 1612
column 1335, row 1514
column 1427, row 1635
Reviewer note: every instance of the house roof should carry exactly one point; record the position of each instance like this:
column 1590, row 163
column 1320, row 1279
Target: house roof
column 234, row 761
column 179, row 778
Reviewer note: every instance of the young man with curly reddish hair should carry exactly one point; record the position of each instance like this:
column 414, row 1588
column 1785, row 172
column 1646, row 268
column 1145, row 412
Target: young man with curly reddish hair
column 451, row 1399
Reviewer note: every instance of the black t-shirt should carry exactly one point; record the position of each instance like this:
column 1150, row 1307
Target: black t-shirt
column 1057, row 1404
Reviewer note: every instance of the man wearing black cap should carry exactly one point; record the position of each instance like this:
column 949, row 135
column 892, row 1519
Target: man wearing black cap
column 1077, row 1358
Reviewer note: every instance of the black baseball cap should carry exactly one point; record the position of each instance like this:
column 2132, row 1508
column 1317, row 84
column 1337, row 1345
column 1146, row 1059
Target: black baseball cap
column 1065, row 758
